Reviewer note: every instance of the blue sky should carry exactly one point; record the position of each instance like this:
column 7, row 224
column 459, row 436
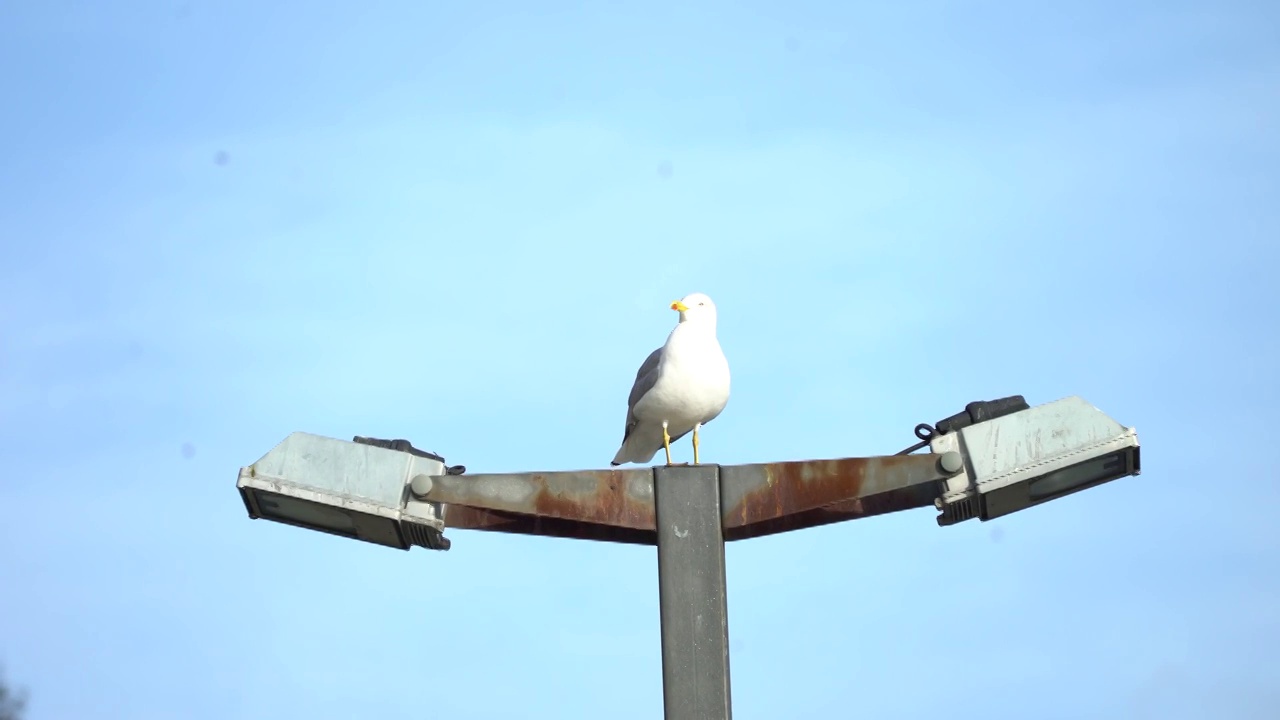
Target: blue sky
column 224, row 222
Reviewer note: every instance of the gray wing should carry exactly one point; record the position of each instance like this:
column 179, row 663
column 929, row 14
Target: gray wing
column 646, row 378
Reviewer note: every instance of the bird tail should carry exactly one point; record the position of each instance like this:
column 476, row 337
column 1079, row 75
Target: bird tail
column 633, row 452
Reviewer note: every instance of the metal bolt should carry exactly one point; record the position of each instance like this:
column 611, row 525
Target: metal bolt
column 420, row 485
column 951, row 462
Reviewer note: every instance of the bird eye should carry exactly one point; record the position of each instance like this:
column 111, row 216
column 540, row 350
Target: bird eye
column 701, row 304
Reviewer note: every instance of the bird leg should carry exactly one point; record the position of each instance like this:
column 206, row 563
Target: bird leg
column 696, row 426
column 666, row 442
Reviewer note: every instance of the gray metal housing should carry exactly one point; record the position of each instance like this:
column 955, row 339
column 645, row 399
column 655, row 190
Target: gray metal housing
column 352, row 490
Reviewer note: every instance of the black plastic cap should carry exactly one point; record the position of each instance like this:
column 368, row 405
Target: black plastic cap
column 981, row 411
column 400, row 445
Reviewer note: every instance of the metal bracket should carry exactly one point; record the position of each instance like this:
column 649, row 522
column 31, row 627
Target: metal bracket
column 619, row 506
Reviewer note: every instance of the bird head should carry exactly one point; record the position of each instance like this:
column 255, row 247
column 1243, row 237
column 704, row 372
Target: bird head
column 695, row 307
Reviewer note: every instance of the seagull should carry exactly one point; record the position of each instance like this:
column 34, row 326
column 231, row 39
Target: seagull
column 680, row 387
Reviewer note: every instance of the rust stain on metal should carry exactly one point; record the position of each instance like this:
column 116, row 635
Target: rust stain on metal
column 463, row 517
column 883, row 503
column 795, row 487
column 792, row 487
column 609, row 502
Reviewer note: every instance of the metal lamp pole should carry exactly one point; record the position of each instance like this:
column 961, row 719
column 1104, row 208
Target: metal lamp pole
column 994, row 458
column 689, row 512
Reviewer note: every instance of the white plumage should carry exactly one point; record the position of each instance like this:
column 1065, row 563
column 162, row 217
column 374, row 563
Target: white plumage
column 680, row 387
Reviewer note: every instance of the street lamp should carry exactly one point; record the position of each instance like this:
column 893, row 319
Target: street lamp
column 351, row 489
column 1031, row 456
column 994, row 458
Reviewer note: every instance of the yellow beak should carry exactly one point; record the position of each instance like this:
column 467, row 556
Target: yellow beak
column 677, row 305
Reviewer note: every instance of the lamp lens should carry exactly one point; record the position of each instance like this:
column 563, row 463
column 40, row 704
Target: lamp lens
column 303, row 512
column 1099, row 469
